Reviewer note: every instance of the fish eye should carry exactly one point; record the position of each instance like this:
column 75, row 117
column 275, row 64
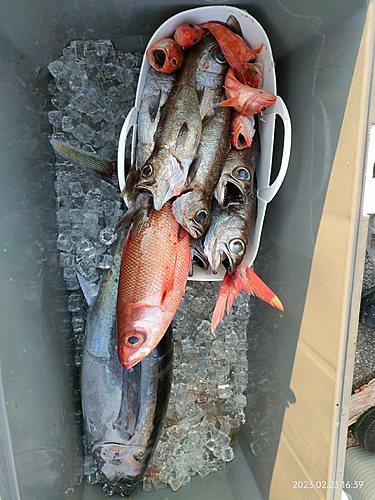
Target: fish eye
column 174, row 62
column 263, row 108
column 195, row 40
column 242, row 174
column 219, row 56
column 147, row 171
column 237, row 246
column 191, row 25
column 201, row 216
column 134, row 339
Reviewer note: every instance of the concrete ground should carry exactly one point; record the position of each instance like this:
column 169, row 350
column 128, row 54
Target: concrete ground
column 364, row 367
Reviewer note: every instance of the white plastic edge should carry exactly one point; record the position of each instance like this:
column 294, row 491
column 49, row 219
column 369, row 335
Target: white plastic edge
column 131, row 120
column 268, row 193
column 369, row 195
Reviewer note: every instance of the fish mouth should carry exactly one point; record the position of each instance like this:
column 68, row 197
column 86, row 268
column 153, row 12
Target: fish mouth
column 233, row 194
column 195, row 231
column 227, row 261
column 160, row 57
column 119, row 466
column 199, row 259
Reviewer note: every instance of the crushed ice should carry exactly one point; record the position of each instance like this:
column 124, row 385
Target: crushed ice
column 92, row 91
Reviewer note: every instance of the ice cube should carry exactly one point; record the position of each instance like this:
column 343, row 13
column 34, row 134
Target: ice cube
column 85, row 250
column 107, row 236
column 75, row 189
column 66, row 260
column 55, row 117
column 104, row 261
column 105, row 48
column 67, row 123
column 84, row 133
column 74, row 302
column 56, row 68
column 64, row 241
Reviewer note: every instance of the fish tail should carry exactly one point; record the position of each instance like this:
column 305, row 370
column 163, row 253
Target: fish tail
column 243, row 278
column 106, row 169
column 254, row 285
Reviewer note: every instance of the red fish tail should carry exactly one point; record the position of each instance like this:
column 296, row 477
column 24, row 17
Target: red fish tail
column 258, row 288
column 243, row 278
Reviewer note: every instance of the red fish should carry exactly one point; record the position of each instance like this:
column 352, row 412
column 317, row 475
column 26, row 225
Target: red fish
column 187, row 35
column 235, row 49
column 154, row 270
column 165, row 56
column 243, row 278
column 242, row 128
column 244, row 99
column 253, row 73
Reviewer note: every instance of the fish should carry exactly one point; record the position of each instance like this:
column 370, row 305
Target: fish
column 228, row 234
column 155, row 93
column 242, row 129
column 165, row 56
column 154, row 270
column 245, row 99
column 253, row 73
column 188, row 35
column 238, row 177
column 242, row 278
column 210, row 75
column 123, row 411
column 178, row 133
column 192, row 209
column 234, row 48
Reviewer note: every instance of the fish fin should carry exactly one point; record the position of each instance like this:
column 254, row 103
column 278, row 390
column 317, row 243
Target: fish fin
column 124, row 222
column 105, row 169
column 234, row 25
column 182, row 136
column 243, row 278
column 90, row 292
column 194, row 167
column 136, row 214
column 254, row 285
column 170, row 288
column 233, row 101
column 221, row 302
column 154, row 105
column 200, row 93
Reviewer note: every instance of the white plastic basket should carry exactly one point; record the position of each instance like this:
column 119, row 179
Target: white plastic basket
column 254, row 35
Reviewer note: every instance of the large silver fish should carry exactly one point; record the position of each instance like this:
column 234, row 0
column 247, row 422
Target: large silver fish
column 123, row 409
column 228, row 235
column 155, row 93
column 192, row 209
column 178, row 133
column 237, row 179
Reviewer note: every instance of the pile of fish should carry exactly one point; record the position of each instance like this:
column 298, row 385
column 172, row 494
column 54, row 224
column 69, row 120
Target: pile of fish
column 191, row 200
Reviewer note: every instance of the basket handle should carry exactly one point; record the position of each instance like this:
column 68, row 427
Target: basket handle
column 130, row 121
column 268, row 193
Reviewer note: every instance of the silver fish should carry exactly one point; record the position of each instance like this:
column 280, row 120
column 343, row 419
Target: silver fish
column 157, row 88
column 192, row 209
column 178, row 133
column 228, row 235
column 210, row 75
column 237, row 179
column 123, row 409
